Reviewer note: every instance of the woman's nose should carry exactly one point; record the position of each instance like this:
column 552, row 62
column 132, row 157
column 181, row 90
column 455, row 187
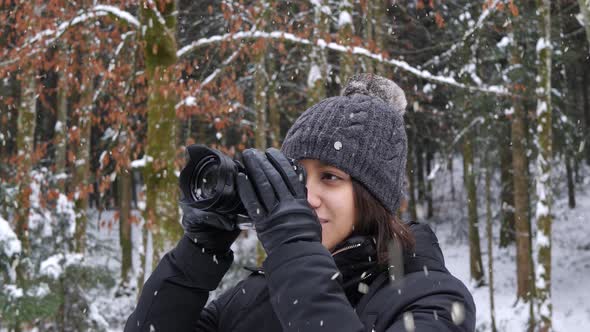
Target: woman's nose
column 312, row 194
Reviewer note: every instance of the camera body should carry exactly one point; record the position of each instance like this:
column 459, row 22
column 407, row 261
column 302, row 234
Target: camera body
column 208, row 181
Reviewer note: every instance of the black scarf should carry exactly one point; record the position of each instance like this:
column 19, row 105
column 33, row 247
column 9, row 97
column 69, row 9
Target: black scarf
column 356, row 259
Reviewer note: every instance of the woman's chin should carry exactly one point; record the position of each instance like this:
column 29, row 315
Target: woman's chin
column 327, row 240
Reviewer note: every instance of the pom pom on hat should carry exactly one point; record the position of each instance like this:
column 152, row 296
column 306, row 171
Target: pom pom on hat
column 377, row 86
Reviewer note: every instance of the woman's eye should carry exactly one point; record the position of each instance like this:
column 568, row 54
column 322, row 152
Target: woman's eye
column 330, row 177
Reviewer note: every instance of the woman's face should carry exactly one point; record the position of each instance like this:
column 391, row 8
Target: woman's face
column 330, row 194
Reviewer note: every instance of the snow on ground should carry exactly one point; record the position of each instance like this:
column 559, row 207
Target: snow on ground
column 112, row 309
column 107, row 309
column 570, row 256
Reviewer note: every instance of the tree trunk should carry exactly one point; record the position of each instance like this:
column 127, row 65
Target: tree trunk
column 571, row 192
column 574, row 86
column 420, row 169
column 260, row 93
column 345, row 33
column 450, row 169
column 585, row 12
column 124, row 188
column 61, row 131
column 410, row 175
column 8, row 119
column 567, row 138
column 274, row 113
column 161, row 212
column 521, row 195
column 82, row 182
column 7, row 115
column 475, row 264
column 318, row 70
column 584, row 89
column 25, row 145
column 489, row 232
column 368, row 32
column 429, row 158
column 544, row 194
column 507, row 228
column 380, row 12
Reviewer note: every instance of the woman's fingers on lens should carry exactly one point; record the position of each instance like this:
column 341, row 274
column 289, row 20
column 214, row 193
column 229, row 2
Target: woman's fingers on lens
column 288, row 171
column 258, row 178
column 248, row 197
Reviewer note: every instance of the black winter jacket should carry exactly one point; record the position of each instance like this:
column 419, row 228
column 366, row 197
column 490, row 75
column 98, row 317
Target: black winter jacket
column 304, row 288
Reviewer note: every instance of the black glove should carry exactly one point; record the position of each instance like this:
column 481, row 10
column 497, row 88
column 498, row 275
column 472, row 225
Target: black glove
column 211, row 231
column 276, row 201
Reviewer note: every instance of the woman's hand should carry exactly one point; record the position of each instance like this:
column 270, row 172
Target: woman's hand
column 276, row 201
column 211, row 231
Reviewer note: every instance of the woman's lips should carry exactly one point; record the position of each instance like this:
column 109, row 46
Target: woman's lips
column 323, row 221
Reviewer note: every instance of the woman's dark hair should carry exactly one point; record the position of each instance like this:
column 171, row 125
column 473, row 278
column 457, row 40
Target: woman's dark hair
column 374, row 219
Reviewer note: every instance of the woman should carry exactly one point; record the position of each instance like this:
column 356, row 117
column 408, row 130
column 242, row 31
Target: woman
column 338, row 257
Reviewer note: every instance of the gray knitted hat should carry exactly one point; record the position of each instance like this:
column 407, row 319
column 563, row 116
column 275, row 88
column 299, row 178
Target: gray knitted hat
column 361, row 132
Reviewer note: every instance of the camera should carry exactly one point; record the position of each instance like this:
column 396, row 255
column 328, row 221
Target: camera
column 208, row 181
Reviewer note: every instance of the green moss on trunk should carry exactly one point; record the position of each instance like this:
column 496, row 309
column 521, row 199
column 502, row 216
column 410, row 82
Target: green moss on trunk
column 161, row 213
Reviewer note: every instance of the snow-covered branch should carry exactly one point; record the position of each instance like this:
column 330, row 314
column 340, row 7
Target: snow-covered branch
column 112, row 64
column 157, row 13
column 121, row 14
column 52, row 35
column 281, row 35
column 190, row 100
column 475, row 121
column 94, row 12
column 484, row 15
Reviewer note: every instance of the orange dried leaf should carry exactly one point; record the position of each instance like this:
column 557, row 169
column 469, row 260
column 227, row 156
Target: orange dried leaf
column 440, row 21
column 513, row 8
column 420, row 4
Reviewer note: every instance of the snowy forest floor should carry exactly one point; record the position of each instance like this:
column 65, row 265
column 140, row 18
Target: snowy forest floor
column 570, row 264
column 570, row 259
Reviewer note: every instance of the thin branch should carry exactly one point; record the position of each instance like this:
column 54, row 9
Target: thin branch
column 111, row 64
column 484, row 15
column 188, row 100
column 446, row 152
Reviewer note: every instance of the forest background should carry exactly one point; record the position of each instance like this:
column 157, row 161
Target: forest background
column 99, row 99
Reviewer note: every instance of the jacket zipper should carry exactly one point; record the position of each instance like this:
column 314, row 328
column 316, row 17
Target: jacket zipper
column 352, row 246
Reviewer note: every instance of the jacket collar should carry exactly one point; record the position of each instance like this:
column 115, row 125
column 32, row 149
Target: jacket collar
column 356, row 258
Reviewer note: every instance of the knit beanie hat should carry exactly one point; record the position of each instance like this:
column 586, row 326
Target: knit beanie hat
column 361, row 132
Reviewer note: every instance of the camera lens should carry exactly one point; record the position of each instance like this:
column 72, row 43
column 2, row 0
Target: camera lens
column 207, row 182
column 205, row 179
column 208, row 179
